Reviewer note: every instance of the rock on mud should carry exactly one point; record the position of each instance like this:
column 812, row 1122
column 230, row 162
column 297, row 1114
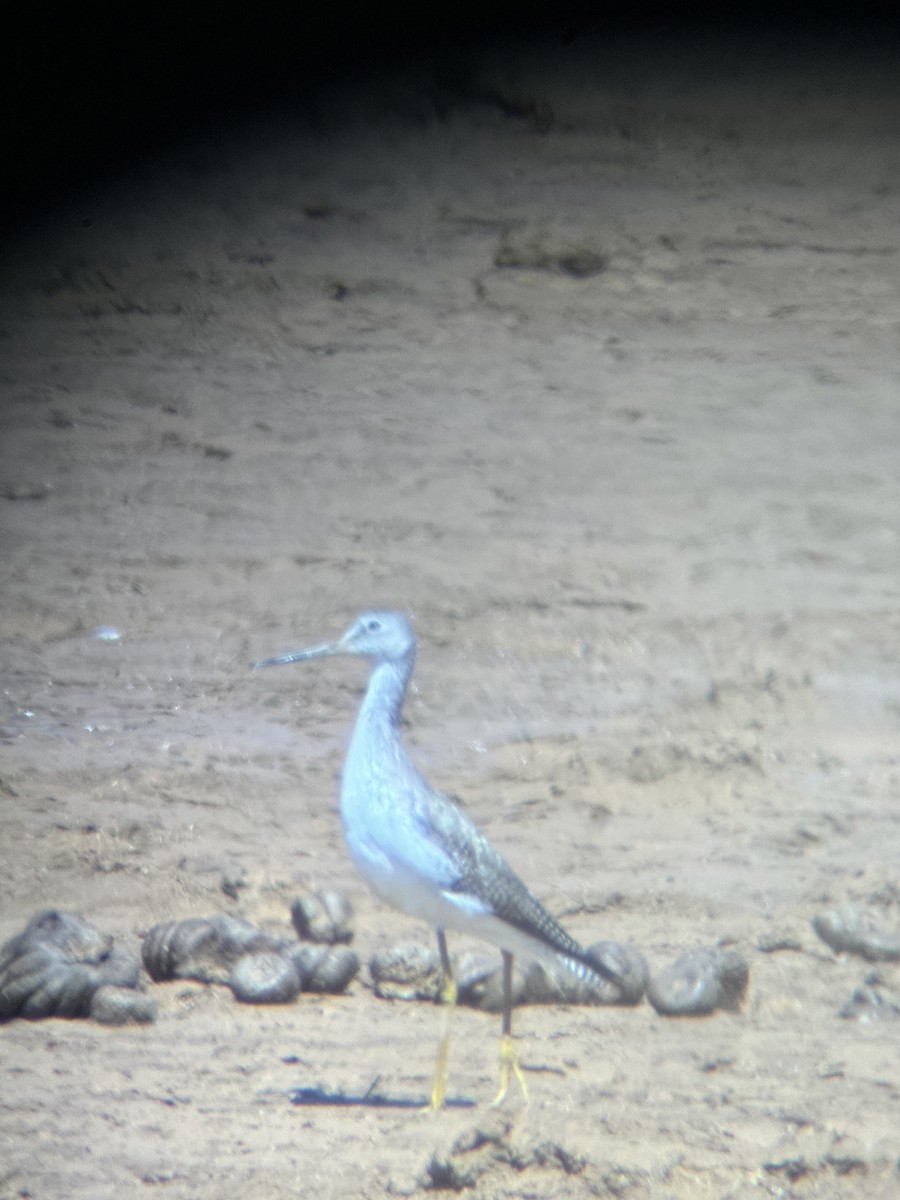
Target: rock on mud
column 202, row 948
column 57, row 964
column 113, row 1005
column 265, row 978
column 548, row 985
column 869, row 1002
column 407, row 972
column 699, row 982
column 259, row 968
column 481, row 980
column 852, row 930
column 323, row 917
column 413, row 972
column 324, row 968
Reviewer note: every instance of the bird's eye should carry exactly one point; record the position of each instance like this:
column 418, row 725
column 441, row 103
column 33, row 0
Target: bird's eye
column 373, row 625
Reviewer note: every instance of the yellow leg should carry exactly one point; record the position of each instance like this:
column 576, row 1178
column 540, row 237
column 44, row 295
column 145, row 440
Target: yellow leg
column 509, row 1063
column 509, row 1060
column 448, row 1002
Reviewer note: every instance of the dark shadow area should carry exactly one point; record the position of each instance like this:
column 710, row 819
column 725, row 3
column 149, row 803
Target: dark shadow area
column 92, row 89
column 314, row 1097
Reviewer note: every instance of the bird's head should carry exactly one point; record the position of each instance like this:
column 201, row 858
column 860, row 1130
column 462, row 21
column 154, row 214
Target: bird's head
column 380, row 636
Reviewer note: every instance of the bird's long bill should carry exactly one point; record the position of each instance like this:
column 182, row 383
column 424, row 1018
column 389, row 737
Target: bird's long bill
column 299, row 655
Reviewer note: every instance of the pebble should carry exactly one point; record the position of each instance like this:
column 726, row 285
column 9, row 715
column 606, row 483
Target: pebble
column 699, row 982
column 866, row 1005
column 869, row 1004
column 407, row 972
column 106, row 633
column 852, row 930
column 774, row 941
column 111, row 1005
column 266, row 978
column 324, row 968
column 323, row 917
column 629, row 967
column 233, row 880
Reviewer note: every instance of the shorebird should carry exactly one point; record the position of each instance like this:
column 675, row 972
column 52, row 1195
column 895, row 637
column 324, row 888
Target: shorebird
column 419, row 851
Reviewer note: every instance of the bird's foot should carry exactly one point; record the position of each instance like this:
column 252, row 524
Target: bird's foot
column 509, row 1063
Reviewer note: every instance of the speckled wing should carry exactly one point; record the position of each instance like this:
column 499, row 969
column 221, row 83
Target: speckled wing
column 481, row 872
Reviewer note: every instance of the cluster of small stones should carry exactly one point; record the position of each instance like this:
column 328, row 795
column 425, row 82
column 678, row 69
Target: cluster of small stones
column 697, row 983
column 60, row 965
column 868, row 1002
column 259, row 967
column 852, row 930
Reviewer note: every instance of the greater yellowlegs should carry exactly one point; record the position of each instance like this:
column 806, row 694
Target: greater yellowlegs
column 419, row 851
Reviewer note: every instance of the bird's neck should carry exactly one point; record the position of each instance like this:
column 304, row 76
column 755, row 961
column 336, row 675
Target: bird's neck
column 379, row 715
column 376, row 755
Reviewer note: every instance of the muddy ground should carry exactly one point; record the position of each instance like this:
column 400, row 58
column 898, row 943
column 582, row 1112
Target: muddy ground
column 587, row 356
